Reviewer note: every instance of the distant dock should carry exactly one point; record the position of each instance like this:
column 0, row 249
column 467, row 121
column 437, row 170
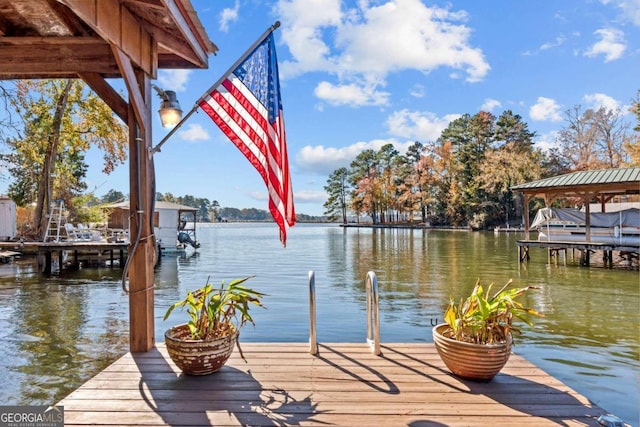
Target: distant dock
column 416, row 226
column 556, row 249
column 70, row 254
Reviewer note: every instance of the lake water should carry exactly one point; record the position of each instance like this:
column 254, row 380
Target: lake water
column 59, row 331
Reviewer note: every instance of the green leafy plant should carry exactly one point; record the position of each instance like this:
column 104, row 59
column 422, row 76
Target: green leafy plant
column 485, row 319
column 217, row 312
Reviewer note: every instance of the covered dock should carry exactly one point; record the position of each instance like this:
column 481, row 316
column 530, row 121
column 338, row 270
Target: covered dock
column 599, row 186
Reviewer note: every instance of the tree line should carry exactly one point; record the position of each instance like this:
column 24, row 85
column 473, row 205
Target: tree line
column 464, row 178
column 207, row 210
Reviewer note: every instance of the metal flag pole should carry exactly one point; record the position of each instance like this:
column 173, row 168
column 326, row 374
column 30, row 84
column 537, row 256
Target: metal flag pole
column 244, row 56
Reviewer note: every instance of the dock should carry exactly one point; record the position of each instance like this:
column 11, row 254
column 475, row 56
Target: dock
column 557, row 248
column 344, row 384
column 79, row 251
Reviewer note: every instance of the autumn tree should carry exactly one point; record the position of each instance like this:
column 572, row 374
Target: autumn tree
column 363, row 179
column 510, row 160
column 470, row 137
column 417, row 180
column 448, row 195
column 386, row 196
column 632, row 145
column 60, row 121
column 338, row 190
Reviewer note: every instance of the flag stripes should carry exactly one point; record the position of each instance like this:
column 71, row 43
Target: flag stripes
column 256, row 129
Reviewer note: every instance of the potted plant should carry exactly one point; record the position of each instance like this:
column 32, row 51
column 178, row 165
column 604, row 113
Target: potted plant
column 475, row 340
column 204, row 344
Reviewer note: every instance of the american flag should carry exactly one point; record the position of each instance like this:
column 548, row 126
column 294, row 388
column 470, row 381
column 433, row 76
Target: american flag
column 247, row 107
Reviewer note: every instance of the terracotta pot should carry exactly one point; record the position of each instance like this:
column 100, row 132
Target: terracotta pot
column 198, row 357
column 480, row 362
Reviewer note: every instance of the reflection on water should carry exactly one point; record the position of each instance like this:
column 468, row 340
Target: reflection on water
column 56, row 331
column 59, row 331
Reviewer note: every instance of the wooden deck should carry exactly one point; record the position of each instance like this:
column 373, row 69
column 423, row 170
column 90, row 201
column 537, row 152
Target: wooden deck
column 282, row 384
column 81, row 251
column 555, row 248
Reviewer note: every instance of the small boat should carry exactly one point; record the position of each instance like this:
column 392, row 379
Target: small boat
column 569, row 225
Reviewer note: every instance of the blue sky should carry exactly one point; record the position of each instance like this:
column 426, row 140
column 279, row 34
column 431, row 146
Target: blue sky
column 360, row 74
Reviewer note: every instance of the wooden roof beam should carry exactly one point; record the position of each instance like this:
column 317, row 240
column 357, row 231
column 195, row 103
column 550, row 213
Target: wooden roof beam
column 136, row 97
column 172, row 44
column 52, row 56
column 108, row 94
column 3, row 27
column 70, row 20
column 115, row 24
column 149, row 3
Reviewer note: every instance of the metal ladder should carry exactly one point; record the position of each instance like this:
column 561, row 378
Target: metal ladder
column 52, row 234
column 373, row 320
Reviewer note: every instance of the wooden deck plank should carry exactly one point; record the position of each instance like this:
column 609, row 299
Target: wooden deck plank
column 282, row 384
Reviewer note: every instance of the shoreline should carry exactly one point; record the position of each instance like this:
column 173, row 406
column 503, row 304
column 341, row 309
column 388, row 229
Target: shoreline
column 406, row 226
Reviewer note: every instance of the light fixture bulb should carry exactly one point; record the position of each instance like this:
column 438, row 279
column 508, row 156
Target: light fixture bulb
column 170, row 111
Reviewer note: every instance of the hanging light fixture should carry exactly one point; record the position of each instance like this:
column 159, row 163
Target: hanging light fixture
column 170, row 111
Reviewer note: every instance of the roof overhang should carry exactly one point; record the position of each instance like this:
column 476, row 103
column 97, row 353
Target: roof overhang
column 69, row 38
column 594, row 184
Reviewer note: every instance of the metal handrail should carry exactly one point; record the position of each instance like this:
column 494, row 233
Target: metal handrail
column 313, row 343
column 373, row 330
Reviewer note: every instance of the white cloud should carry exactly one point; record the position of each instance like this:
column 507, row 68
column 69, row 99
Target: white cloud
column 418, row 125
column 303, row 21
column 310, row 196
column 546, row 141
column 194, row 132
column 323, row 160
column 545, row 109
column 229, row 15
column 406, row 34
column 175, row 80
column 558, row 41
column 417, row 91
column 630, row 9
column 366, row 43
column 258, row 195
column 612, row 44
column 597, row 100
column 490, row 104
column 350, row 94
column 301, row 196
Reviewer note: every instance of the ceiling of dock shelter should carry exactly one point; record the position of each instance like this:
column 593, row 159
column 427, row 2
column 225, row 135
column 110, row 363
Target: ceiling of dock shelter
column 71, row 38
column 608, row 182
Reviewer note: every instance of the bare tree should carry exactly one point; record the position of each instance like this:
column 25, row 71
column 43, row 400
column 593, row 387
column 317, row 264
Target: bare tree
column 578, row 140
column 612, row 133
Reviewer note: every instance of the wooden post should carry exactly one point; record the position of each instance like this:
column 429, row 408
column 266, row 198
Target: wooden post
column 526, row 199
column 587, row 216
column 141, row 278
column 47, row 262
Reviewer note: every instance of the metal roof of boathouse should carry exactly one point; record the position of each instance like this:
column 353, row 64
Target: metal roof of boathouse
column 610, row 181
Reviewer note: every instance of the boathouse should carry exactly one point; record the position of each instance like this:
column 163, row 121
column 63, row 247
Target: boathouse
column 168, row 220
column 599, row 186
